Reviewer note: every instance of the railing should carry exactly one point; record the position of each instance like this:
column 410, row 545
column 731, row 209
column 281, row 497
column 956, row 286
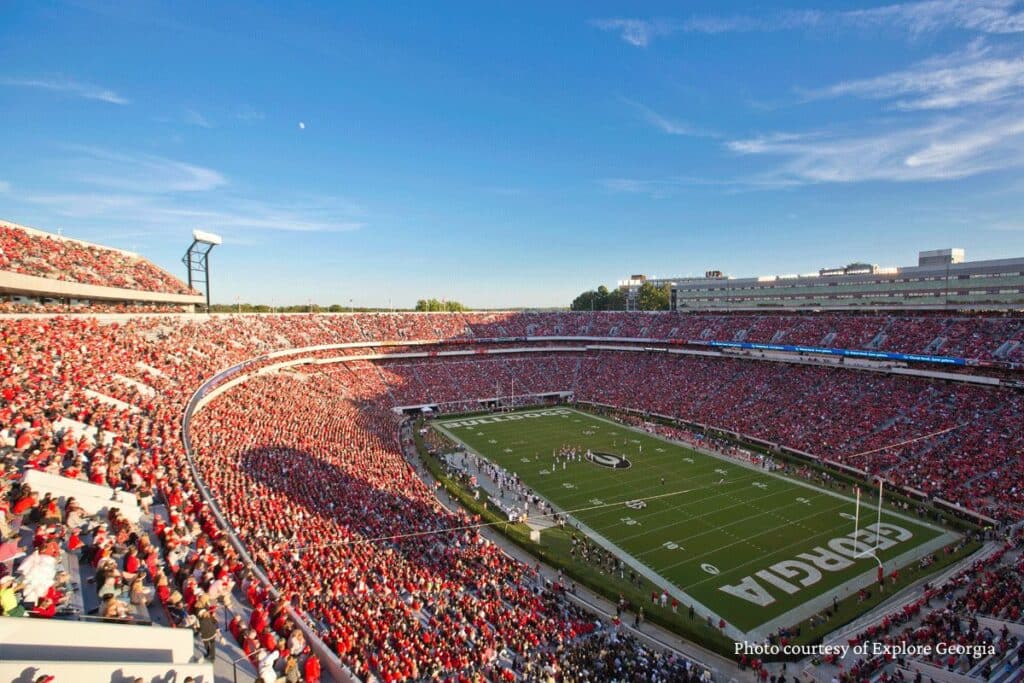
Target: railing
column 234, row 665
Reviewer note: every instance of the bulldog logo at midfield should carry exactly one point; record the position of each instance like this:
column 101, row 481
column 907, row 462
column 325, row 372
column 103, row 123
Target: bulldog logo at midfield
column 615, row 462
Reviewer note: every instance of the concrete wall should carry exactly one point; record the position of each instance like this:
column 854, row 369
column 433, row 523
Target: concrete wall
column 23, row 638
column 94, row 499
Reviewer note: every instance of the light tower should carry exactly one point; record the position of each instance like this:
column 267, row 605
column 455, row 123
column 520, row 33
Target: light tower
column 197, row 260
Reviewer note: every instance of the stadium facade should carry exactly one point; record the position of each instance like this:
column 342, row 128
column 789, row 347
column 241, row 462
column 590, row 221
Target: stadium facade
column 942, row 279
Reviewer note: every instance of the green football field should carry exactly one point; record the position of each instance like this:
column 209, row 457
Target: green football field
column 745, row 544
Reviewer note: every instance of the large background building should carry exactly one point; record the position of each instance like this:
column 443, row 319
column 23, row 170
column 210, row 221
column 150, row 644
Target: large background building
column 941, row 279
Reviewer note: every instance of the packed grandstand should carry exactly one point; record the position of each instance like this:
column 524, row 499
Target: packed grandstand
column 297, row 519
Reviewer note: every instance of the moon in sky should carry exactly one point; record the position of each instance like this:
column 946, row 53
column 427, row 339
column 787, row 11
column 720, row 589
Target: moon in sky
column 302, row 125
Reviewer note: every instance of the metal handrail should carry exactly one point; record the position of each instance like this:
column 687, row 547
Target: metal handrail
column 234, row 664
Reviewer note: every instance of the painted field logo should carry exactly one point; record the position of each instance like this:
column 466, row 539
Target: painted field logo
column 616, row 462
column 807, row 569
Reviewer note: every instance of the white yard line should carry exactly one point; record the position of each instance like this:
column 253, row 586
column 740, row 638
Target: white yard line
column 733, row 522
column 751, row 466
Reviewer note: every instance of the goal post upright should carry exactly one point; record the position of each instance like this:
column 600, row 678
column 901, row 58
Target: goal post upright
column 856, row 526
column 856, row 514
column 878, row 526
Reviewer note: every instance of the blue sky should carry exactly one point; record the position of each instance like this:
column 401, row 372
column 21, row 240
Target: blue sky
column 513, row 154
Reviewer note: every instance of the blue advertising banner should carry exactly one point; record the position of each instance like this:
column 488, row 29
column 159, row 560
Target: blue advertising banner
column 853, row 353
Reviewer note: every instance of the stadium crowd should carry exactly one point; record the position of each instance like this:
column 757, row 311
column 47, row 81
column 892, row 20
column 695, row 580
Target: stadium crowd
column 399, row 575
column 57, row 258
column 102, row 401
column 123, row 438
column 948, row 614
column 90, row 307
column 973, row 337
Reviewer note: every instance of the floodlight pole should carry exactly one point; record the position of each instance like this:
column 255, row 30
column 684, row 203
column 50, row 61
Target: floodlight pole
column 197, row 261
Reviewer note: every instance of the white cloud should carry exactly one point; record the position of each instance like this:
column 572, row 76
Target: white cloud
column 158, row 194
column 640, row 32
column 259, row 215
column 219, row 214
column 229, row 215
column 194, row 118
column 928, row 16
column 983, row 16
column 68, row 87
column 139, row 173
column 660, row 188
column 636, row 32
column 162, row 176
column 940, row 150
column 5, row 186
column 247, row 113
column 973, row 76
column 637, row 185
column 744, row 24
column 666, row 124
column 85, row 204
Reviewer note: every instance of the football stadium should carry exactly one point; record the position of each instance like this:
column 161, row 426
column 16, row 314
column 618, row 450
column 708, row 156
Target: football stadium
column 297, row 382
column 404, row 496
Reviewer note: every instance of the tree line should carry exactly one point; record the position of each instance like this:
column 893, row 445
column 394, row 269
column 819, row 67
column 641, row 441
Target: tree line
column 432, row 305
column 297, row 308
column 648, row 298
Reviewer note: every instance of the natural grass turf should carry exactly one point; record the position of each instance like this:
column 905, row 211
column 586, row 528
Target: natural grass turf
column 746, row 524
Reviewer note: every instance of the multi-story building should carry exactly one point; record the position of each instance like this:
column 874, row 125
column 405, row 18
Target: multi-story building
column 941, row 279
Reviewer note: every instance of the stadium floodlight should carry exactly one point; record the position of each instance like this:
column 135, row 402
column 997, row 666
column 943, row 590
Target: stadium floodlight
column 197, row 260
column 204, row 237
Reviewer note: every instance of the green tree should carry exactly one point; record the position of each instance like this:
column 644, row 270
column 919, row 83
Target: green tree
column 600, row 299
column 433, row 305
column 584, row 302
column 616, row 300
column 651, row 298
